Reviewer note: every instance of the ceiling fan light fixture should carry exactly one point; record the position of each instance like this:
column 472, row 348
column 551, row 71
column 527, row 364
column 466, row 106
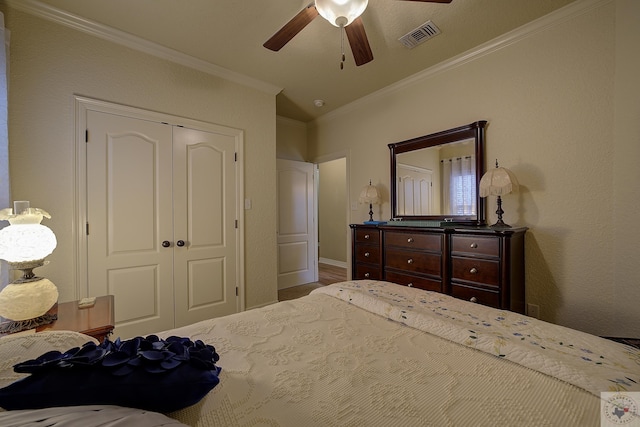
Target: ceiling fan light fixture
column 341, row 12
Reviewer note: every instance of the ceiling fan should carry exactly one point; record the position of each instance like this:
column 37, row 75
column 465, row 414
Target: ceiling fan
column 341, row 13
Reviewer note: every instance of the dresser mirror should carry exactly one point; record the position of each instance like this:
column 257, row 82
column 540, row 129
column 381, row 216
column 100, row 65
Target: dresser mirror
column 435, row 177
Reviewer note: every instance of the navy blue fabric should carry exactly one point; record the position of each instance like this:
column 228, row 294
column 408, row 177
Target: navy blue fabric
column 146, row 373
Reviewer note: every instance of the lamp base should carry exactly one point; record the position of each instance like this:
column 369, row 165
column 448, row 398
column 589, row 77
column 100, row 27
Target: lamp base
column 500, row 224
column 27, row 299
column 499, row 211
column 13, row 326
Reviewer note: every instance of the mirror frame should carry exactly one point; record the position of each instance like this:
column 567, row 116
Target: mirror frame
column 474, row 131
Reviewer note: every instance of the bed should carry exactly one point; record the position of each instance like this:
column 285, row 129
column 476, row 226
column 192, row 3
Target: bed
column 373, row 353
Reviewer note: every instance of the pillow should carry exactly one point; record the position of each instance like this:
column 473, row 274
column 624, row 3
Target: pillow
column 145, row 373
column 87, row 416
column 16, row 348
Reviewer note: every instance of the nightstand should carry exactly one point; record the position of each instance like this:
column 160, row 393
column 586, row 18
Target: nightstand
column 97, row 321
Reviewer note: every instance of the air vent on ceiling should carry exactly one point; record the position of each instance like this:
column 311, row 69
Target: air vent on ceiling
column 419, row 35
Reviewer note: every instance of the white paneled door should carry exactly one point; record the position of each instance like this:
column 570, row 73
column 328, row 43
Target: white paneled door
column 297, row 248
column 205, row 203
column 414, row 190
column 161, row 221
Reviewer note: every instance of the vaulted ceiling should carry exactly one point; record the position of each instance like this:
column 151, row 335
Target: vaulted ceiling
column 230, row 34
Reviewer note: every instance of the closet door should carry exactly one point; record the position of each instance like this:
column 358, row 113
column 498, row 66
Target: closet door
column 205, row 233
column 130, row 215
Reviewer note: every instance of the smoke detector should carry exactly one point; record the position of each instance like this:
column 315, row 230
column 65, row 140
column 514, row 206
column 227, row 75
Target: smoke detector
column 419, row 35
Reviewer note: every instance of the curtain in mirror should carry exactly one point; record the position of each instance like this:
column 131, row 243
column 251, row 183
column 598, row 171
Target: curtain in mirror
column 459, row 185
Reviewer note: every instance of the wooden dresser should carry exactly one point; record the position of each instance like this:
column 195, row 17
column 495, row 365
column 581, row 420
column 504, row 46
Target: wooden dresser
column 479, row 264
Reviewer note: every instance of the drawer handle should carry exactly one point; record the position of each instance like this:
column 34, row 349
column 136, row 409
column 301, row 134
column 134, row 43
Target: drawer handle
column 366, row 237
column 410, row 261
column 366, row 254
column 473, row 270
column 410, row 240
column 410, row 285
column 367, row 275
column 473, row 245
column 473, row 299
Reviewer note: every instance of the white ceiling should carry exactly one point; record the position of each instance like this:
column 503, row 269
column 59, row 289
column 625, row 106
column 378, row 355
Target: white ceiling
column 230, row 34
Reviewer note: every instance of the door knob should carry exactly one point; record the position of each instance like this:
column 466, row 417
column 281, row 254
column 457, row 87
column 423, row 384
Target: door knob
column 166, row 244
column 180, row 243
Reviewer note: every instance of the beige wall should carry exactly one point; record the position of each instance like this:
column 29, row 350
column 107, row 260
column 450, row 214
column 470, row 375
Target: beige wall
column 625, row 190
column 291, row 139
column 562, row 105
column 332, row 217
column 50, row 63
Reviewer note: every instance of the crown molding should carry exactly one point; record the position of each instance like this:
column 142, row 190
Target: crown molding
column 44, row 11
column 543, row 23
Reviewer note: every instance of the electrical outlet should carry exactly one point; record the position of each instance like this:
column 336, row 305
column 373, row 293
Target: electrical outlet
column 533, row 310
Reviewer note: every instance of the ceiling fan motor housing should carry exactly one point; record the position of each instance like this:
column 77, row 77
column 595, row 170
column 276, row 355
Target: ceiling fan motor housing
column 341, row 12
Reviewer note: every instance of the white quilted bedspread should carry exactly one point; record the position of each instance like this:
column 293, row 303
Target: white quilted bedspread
column 327, row 361
column 584, row 360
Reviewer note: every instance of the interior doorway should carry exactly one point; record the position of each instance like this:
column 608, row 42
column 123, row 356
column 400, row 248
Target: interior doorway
column 332, row 211
column 296, row 224
column 330, row 217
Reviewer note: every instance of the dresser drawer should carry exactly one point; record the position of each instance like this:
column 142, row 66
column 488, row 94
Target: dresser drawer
column 365, row 271
column 481, row 296
column 414, row 281
column 482, row 271
column 368, row 253
column 422, row 241
column 417, row 262
column 367, row 236
column 476, row 245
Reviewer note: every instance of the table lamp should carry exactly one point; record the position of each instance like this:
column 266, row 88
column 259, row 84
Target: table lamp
column 24, row 244
column 498, row 182
column 370, row 195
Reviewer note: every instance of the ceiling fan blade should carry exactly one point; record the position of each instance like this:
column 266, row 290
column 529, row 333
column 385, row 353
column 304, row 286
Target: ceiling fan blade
column 431, row 1
column 359, row 42
column 291, row 28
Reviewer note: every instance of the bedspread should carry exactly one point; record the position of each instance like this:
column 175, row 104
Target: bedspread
column 326, row 361
column 584, row 360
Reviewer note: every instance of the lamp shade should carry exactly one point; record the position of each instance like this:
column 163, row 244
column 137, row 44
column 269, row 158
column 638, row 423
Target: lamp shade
column 341, row 12
column 369, row 195
column 25, row 243
column 498, row 182
column 26, row 239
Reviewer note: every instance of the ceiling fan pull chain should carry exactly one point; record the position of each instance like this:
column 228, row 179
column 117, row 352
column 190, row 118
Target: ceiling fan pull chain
column 342, row 58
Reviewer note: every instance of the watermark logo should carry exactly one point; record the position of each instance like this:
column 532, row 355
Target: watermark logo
column 619, row 409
